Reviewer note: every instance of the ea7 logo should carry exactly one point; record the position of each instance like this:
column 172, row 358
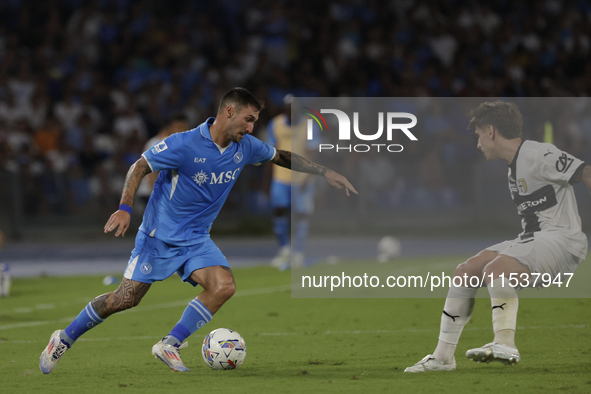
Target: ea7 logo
column 345, row 124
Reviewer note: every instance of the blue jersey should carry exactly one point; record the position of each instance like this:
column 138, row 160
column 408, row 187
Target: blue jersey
column 196, row 176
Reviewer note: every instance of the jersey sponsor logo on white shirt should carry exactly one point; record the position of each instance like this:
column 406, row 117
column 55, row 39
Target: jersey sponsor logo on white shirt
column 563, row 163
column 522, row 185
column 530, row 204
column 537, row 201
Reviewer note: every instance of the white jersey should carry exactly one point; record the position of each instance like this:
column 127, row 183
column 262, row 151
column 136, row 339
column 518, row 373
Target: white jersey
column 540, row 179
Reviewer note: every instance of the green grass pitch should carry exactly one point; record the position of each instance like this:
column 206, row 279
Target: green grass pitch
column 294, row 345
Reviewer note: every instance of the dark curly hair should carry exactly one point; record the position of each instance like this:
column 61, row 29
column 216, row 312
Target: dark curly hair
column 504, row 117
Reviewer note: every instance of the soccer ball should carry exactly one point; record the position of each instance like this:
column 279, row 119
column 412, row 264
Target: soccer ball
column 388, row 248
column 223, row 349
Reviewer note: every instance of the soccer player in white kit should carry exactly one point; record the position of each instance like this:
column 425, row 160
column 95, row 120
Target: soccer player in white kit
column 540, row 179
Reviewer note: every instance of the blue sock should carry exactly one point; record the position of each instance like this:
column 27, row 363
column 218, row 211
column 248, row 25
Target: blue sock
column 86, row 320
column 195, row 316
column 281, row 229
column 300, row 234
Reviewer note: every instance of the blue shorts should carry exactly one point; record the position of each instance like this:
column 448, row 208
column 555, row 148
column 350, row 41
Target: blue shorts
column 283, row 195
column 154, row 260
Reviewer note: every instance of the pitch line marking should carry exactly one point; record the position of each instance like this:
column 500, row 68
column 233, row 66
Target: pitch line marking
column 240, row 293
column 350, row 332
column 50, row 306
column 415, row 330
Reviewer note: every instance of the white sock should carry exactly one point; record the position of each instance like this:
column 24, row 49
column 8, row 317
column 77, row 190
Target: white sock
column 457, row 311
column 504, row 303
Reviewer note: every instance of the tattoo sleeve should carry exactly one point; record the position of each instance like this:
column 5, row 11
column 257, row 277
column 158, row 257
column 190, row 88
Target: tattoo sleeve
column 134, row 177
column 128, row 294
column 298, row 163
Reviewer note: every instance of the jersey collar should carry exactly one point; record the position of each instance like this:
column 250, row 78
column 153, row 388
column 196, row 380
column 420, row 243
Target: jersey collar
column 204, row 130
column 513, row 164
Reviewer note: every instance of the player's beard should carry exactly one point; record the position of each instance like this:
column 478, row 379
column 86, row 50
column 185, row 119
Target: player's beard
column 238, row 137
column 232, row 136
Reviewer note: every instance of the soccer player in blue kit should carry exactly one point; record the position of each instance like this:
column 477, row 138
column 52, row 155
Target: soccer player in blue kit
column 197, row 171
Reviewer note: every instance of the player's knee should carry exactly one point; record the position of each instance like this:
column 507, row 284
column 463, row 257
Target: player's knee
column 229, row 289
column 466, row 268
column 493, row 268
column 460, row 269
column 474, row 266
column 223, row 290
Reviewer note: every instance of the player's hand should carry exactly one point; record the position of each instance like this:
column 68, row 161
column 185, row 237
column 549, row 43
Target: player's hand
column 120, row 221
column 340, row 182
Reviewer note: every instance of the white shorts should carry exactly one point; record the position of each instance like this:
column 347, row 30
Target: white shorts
column 544, row 253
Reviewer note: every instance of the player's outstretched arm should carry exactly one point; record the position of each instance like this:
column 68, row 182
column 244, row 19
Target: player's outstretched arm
column 298, row 163
column 120, row 219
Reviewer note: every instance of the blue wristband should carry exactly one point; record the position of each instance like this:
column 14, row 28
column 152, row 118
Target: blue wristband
column 125, row 207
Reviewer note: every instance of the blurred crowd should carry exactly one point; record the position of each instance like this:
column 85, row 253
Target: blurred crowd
column 85, row 83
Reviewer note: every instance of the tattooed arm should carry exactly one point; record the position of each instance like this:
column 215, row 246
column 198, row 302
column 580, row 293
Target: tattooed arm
column 134, row 177
column 298, row 163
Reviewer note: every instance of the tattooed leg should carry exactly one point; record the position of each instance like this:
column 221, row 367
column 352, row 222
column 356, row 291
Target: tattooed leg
column 128, row 294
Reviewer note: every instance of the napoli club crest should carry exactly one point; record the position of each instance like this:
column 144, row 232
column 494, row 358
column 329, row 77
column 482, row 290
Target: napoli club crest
column 238, row 157
column 146, row 268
